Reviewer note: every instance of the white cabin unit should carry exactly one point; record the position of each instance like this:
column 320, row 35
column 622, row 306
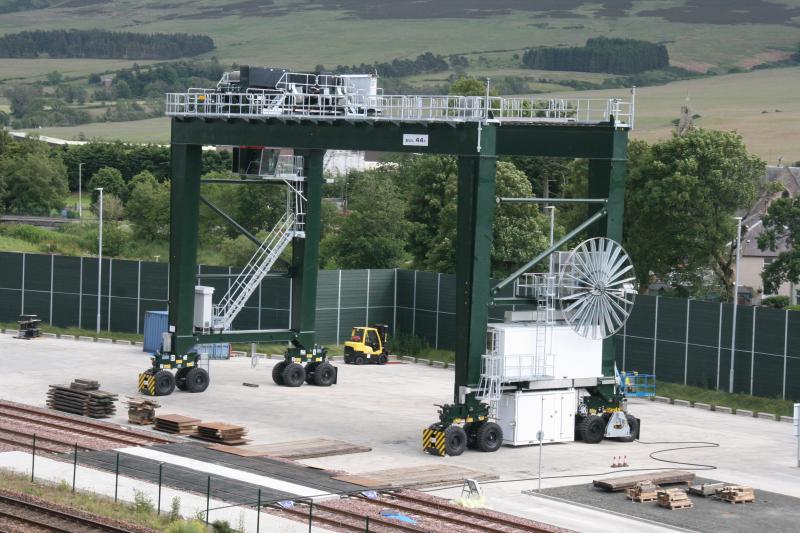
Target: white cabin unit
column 521, row 415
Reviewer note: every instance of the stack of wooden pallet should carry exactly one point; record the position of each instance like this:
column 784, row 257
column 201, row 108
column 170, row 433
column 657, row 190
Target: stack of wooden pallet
column 177, row 424
column 221, row 433
column 82, row 397
column 674, row 499
column 736, row 494
column 141, row 411
column 643, row 491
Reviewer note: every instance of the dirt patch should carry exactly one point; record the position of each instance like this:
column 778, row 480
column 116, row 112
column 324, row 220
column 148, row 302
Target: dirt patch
column 693, row 66
column 766, row 57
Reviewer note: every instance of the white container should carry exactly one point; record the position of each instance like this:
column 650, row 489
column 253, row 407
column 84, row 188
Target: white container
column 522, row 415
column 202, row 306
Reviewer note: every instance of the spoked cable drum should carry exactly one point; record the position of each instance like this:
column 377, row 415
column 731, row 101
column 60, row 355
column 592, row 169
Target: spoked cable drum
column 597, row 288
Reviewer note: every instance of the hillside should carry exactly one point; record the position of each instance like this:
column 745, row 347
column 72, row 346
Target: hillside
column 700, row 34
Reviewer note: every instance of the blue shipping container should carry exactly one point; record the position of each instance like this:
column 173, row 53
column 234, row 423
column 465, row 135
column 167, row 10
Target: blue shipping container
column 155, row 324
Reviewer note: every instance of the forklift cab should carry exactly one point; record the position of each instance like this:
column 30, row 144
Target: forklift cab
column 367, row 344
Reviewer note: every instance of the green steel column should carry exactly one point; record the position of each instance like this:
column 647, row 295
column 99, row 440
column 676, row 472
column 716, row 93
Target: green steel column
column 184, row 207
column 305, row 252
column 607, row 180
column 476, row 201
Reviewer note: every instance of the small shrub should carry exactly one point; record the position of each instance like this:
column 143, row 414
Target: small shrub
column 142, row 503
column 222, row 526
column 175, row 509
column 776, row 302
column 186, row 526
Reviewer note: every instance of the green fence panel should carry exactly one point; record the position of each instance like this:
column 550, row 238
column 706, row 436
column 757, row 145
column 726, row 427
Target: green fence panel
column 10, row 286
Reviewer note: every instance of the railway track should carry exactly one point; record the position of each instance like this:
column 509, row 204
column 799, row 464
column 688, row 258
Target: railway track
column 432, row 515
column 17, row 514
column 62, row 429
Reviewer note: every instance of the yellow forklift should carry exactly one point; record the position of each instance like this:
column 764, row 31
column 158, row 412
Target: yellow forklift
column 367, row 344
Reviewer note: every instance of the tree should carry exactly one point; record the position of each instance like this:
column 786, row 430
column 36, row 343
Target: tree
column 519, row 231
column 781, row 226
column 32, row 183
column 148, row 207
column 681, row 196
column 373, row 234
column 470, row 87
column 110, row 179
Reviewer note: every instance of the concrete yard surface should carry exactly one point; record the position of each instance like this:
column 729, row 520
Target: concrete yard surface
column 387, row 407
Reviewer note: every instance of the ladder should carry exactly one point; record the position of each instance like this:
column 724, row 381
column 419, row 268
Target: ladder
column 253, row 273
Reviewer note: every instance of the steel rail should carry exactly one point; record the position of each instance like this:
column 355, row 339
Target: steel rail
column 79, row 521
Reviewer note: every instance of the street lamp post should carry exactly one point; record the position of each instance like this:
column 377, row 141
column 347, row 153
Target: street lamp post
column 735, row 299
column 80, row 194
column 99, row 257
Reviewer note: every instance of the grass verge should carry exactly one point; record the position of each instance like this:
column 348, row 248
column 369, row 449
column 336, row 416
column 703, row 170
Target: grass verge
column 141, row 513
column 79, row 332
column 714, row 397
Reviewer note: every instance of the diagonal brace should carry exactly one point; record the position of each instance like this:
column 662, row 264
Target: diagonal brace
column 555, row 246
column 230, row 220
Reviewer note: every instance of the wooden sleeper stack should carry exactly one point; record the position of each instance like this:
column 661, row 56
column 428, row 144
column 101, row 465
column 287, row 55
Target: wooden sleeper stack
column 176, row 424
column 644, row 491
column 736, row 494
column 221, row 433
column 141, row 411
column 82, row 397
column 674, row 499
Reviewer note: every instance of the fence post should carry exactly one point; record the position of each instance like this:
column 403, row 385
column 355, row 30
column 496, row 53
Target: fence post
column 394, row 311
column 438, row 290
column 208, row 498
column 414, row 311
column 686, row 344
column 310, row 514
column 52, row 260
column 160, row 472
column 22, row 291
column 258, row 512
column 719, row 343
column 655, row 336
column 110, row 271
column 753, row 350
column 367, row 307
column 116, row 479
column 366, row 528
column 139, row 297
column 339, row 307
column 33, row 457
column 74, row 466
column 80, row 293
column 785, row 350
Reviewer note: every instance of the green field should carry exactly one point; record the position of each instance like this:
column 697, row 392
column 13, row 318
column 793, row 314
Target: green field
column 302, row 34
column 745, row 102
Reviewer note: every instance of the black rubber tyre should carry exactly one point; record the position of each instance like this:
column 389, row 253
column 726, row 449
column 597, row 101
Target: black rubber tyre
column 455, row 440
column 165, row 383
column 180, row 378
column 489, row 437
column 325, row 375
column 294, row 375
column 382, row 359
column 633, row 422
column 197, row 380
column 592, row 429
column 311, row 368
column 277, row 373
column 359, row 360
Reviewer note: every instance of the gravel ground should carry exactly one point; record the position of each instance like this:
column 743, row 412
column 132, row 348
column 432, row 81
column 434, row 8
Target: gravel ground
column 770, row 512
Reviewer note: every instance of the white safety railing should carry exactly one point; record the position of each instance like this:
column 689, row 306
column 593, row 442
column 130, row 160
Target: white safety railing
column 264, row 103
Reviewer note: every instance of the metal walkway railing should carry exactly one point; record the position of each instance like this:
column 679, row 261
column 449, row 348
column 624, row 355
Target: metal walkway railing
column 262, row 103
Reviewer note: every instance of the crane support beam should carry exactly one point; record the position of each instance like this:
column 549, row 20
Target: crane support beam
column 552, row 200
column 230, row 220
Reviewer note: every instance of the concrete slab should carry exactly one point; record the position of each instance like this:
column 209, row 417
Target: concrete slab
column 723, row 409
column 744, row 412
column 386, row 408
column 661, row 399
column 682, row 403
column 767, row 416
column 700, row 405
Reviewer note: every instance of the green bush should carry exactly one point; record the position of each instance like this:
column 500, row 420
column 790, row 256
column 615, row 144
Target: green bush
column 186, row 526
column 777, row 302
column 405, row 344
column 142, row 503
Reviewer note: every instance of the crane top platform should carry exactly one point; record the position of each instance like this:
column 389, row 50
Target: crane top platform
column 284, row 105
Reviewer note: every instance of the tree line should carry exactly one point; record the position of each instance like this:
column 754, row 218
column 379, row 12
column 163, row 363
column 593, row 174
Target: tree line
column 397, row 68
column 102, row 44
column 600, row 54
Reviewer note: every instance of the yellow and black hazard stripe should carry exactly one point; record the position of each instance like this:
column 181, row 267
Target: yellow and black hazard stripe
column 433, row 441
column 147, row 383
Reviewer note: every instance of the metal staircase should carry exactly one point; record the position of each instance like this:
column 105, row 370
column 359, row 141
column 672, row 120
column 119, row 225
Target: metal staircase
column 252, row 274
column 289, row 170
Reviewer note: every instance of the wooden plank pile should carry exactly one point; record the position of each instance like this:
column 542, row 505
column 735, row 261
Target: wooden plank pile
column 663, row 477
column 296, row 449
column 736, row 494
column 221, row 433
column 141, row 411
column 82, row 397
column 177, row 424
column 674, row 499
column 643, row 491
